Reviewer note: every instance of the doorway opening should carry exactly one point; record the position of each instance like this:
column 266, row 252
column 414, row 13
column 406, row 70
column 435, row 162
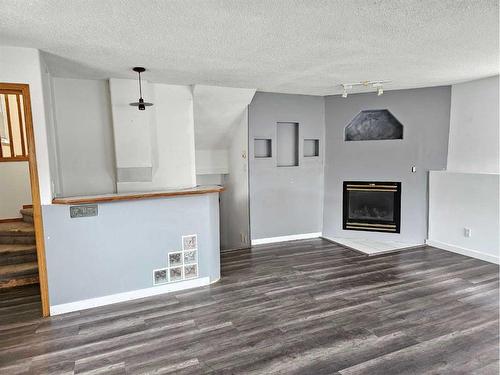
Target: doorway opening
column 22, row 253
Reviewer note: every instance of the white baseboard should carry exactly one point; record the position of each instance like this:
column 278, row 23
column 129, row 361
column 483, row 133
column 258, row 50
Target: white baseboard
column 127, row 296
column 293, row 237
column 464, row 251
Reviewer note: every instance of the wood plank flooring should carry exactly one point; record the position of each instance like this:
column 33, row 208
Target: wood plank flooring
column 302, row 307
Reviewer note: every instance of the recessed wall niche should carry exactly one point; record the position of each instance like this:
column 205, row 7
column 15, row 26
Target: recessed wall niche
column 288, row 144
column 262, row 148
column 311, row 148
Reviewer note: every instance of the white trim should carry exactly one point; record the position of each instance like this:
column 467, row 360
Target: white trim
column 293, row 237
column 464, row 251
column 127, row 296
column 220, row 170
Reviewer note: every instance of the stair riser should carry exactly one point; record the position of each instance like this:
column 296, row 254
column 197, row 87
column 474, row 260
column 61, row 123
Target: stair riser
column 28, row 219
column 28, row 240
column 27, row 257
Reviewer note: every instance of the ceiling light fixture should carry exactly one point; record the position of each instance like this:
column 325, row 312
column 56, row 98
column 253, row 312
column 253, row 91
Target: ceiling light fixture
column 344, row 93
column 378, row 85
column 141, row 104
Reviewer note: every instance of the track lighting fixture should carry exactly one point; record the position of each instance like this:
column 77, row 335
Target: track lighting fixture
column 375, row 84
column 346, row 87
column 378, row 86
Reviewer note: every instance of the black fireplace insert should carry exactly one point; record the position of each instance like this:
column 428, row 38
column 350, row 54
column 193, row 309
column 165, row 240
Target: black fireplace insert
column 372, row 206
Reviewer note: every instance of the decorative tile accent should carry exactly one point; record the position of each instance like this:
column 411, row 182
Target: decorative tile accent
column 374, row 125
column 181, row 265
column 175, row 259
column 190, row 242
column 160, row 276
column 191, row 271
column 191, row 257
column 175, row 273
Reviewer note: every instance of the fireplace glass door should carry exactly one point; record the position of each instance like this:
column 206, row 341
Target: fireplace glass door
column 372, row 206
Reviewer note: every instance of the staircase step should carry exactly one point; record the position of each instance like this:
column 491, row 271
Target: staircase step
column 17, row 232
column 27, row 214
column 17, row 253
column 18, row 274
column 19, row 281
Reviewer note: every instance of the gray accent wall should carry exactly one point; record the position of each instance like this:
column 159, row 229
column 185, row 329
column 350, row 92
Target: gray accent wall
column 425, row 115
column 117, row 250
column 286, row 200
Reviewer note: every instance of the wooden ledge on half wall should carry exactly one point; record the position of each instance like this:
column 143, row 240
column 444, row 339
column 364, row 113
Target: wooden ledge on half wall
column 88, row 199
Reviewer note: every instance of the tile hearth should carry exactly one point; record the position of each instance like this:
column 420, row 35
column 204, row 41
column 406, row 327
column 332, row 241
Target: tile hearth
column 373, row 247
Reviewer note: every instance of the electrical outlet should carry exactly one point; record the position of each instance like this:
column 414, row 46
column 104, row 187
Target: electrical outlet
column 467, row 232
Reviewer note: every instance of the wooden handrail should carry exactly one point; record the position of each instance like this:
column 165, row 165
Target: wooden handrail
column 136, row 196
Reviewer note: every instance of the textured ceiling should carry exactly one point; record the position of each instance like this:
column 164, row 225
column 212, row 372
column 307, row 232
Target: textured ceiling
column 291, row 46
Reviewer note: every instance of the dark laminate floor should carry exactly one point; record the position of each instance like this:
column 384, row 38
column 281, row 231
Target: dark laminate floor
column 304, row 307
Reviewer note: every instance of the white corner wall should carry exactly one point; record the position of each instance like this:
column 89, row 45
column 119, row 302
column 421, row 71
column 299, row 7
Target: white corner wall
column 465, row 200
column 24, row 65
column 84, row 136
column 467, row 194
column 474, row 127
column 15, row 188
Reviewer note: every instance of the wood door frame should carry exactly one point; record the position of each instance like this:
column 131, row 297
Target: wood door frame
column 23, row 89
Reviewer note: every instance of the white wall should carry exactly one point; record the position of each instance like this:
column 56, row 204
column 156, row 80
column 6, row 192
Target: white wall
column 15, row 189
column 217, row 111
column 48, row 97
column 234, row 205
column 160, row 138
column 212, row 161
column 465, row 200
column 23, row 65
column 466, row 195
column 132, row 130
column 474, row 127
column 175, row 136
column 84, row 136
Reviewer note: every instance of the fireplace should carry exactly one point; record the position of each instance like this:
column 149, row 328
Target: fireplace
column 372, row 206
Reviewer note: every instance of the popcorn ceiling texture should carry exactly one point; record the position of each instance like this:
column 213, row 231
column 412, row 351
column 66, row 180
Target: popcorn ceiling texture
column 299, row 46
